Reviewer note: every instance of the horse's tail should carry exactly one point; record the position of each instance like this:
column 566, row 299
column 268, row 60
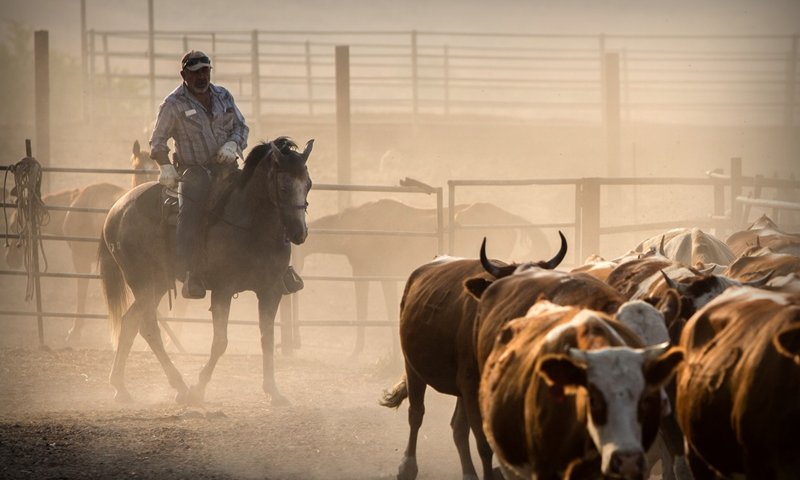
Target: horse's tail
column 113, row 287
column 394, row 397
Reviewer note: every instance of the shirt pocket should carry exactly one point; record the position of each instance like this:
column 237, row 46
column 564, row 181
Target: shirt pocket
column 226, row 121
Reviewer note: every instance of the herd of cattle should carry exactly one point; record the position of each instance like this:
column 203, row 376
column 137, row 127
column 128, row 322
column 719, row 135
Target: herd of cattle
column 686, row 350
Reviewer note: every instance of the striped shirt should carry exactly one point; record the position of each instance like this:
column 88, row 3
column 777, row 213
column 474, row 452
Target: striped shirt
column 198, row 134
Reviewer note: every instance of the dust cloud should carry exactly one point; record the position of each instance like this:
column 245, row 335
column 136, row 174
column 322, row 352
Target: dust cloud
column 53, row 401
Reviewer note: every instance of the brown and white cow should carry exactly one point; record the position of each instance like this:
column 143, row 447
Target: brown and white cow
column 739, row 390
column 567, row 393
column 436, row 335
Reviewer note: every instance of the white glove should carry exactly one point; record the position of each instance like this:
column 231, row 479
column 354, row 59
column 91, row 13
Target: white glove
column 228, row 153
column 168, row 176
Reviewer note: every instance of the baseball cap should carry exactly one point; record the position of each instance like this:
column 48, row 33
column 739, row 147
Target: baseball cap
column 195, row 60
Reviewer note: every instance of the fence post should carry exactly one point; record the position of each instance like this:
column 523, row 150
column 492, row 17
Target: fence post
column 84, row 64
column 106, row 76
column 611, row 114
column 343, row 120
column 791, row 79
column 439, row 222
column 42, row 100
column 309, row 83
column 451, row 217
column 590, row 217
column 446, row 80
column 414, row 78
column 92, row 70
column 736, row 190
column 256, row 73
column 151, row 54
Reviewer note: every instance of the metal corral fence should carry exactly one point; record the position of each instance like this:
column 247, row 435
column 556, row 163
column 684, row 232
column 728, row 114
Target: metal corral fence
column 694, row 79
column 727, row 215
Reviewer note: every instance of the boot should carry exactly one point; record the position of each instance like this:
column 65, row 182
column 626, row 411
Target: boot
column 193, row 287
column 291, row 281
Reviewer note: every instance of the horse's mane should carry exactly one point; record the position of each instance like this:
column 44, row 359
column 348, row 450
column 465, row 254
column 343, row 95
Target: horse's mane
column 284, row 144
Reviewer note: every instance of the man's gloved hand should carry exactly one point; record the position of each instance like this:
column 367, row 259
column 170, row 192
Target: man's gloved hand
column 227, row 153
column 168, row 176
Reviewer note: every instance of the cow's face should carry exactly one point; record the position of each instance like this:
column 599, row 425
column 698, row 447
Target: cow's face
column 623, row 386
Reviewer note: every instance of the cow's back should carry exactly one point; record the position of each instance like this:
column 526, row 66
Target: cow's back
column 436, row 320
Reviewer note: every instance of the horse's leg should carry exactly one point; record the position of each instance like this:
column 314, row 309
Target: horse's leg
column 362, row 297
column 130, row 326
column 148, row 328
column 392, row 314
column 220, row 310
column 416, row 410
column 460, row 425
column 82, row 265
column 267, row 308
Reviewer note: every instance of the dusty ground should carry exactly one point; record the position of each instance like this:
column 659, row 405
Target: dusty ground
column 58, row 419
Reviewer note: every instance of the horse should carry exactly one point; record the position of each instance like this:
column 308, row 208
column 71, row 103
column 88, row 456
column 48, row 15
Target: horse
column 81, row 224
column 366, row 253
column 247, row 248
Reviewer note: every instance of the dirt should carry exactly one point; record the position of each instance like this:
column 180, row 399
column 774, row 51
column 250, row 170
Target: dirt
column 58, row 419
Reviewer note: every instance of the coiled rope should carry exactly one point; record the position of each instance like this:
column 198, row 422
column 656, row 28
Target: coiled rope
column 31, row 215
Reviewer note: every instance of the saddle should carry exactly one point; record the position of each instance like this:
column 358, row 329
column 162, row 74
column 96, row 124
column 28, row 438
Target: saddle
column 223, row 182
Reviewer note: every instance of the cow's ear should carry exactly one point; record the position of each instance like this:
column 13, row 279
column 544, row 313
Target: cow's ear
column 659, row 371
column 476, row 286
column 787, row 342
column 563, row 371
column 670, row 307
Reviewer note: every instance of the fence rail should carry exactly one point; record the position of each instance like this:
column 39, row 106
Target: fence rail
column 535, row 77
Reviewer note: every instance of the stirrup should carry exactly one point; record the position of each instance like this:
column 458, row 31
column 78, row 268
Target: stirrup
column 292, row 282
column 193, row 287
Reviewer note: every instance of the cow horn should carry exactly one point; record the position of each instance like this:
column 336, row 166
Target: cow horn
column 654, row 351
column 760, row 282
column 670, row 282
column 487, row 264
column 562, row 252
column 307, row 150
column 661, row 247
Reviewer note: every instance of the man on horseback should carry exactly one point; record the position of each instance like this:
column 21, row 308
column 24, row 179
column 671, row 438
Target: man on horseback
column 210, row 134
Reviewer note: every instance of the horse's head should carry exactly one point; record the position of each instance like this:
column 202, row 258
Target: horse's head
column 140, row 160
column 291, row 184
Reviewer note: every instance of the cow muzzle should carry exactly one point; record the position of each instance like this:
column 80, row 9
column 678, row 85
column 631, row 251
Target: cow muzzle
column 629, row 465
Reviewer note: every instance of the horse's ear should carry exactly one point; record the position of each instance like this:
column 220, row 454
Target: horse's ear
column 307, row 150
column 136, row 148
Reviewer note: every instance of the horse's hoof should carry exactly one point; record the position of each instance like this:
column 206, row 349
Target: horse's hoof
column 195, row 396
column 122, row 396
column 408, row 469
column 182, row 397
column 277, row 400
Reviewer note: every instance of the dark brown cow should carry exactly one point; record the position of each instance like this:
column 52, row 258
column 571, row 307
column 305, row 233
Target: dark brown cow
column 764, row 232
column 738, row 391
column 436, row 335
column 563, row 395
